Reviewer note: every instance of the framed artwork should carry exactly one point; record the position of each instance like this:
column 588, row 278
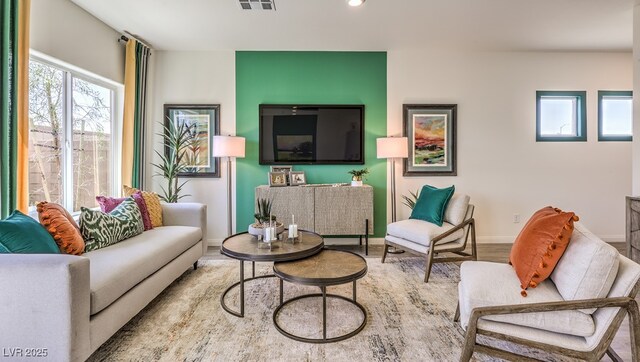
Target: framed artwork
column 297, row 178
column 431, row 130
column 277, row 179
column 203, row 121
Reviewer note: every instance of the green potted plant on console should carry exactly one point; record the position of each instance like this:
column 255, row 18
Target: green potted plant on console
column 357, row 176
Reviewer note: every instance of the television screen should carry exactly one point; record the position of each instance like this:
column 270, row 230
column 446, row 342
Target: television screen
column 311, row 134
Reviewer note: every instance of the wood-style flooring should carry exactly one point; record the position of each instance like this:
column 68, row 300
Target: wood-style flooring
column 486, row 252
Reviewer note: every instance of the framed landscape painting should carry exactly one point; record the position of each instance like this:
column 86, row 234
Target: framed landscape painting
column 431, row 130
column 203, row 122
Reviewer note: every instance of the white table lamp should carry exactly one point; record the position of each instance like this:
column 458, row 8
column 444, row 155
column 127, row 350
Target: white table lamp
column 230, row 147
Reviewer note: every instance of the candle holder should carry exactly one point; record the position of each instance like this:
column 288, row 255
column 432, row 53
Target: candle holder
column 292, row 231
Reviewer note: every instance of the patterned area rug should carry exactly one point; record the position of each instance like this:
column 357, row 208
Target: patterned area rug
column 407, row 319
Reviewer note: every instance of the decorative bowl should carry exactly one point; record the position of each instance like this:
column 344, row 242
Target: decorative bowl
column 256, row 229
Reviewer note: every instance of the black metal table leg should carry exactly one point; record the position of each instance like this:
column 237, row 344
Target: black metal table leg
column 253, row 269
column 242, row 288
column 354, row 290
column 241, row 285
column 324, row 313
column 281, row 291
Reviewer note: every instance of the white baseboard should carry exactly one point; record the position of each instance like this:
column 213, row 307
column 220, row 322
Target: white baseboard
column 327, row 241
column 481, row 240
column 511, row 239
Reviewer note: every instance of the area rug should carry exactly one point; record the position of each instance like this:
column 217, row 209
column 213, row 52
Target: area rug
column 408, row 320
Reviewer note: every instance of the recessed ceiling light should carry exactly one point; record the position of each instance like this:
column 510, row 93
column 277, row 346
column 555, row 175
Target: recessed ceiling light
column 356, row 2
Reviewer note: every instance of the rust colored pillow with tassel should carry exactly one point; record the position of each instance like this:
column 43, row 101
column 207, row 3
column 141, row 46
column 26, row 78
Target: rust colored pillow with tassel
column 540, row 245
column 60, row 224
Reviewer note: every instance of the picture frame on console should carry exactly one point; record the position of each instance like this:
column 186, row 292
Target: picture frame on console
column 277, row 179
column 297, row 178
column 285, row 169
column 431, row 130
column 204, row 122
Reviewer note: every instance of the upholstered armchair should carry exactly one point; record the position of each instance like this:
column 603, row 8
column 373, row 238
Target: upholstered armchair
column 576, row 312
column 424, row 238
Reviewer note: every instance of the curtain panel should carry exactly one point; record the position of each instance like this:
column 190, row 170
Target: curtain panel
column 14, row 107
column 134, row 122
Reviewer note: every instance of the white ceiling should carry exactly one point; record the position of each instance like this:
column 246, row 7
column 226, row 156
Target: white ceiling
column 576, row 25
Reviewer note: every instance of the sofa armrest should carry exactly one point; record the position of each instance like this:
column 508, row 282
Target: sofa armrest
column 44, row 311
column 187, row 214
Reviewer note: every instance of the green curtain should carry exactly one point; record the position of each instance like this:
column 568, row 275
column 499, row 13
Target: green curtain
column 139, row 126
column 8, row 106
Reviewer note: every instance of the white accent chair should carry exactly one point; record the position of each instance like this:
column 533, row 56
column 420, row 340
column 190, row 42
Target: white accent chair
column 424, row 238
column 576, row 312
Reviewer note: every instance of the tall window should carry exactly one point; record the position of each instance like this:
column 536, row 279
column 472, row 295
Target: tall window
column 71, row 138
column 561, row 116
column 615, row 115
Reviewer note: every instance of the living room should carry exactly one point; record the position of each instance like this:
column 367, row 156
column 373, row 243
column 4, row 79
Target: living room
column 488, row 67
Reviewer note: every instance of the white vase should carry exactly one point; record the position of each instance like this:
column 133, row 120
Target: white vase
column 356, row 183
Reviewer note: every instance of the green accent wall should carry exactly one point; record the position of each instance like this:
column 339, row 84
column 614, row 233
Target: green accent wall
column 310, row 78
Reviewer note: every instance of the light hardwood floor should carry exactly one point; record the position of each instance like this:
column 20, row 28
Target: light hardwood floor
column 487, row 252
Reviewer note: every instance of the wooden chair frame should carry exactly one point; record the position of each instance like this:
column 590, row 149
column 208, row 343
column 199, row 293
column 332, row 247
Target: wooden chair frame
column 459, row 251
column 627, row 305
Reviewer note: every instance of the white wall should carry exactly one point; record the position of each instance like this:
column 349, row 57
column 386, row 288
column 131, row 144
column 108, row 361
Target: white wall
column 61, row 29
column 195, row 78
column 500, row 165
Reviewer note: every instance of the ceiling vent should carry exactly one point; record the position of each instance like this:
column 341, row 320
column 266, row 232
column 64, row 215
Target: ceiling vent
column 257, row 4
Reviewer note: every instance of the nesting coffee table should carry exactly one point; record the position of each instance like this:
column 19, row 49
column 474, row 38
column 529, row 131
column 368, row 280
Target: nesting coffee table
column 327, row 268
column 245, row 247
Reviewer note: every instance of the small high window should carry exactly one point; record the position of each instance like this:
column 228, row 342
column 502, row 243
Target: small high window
column 561, row 116
column 615, row 115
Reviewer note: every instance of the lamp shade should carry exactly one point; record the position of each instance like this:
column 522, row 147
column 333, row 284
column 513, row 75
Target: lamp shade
column 228, row 146
column 392, row 147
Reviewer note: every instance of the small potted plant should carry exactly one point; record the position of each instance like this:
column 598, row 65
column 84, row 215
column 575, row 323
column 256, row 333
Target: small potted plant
column 263, row 218
column 357, row 176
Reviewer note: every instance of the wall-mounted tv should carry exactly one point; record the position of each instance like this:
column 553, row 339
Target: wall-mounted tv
column 311, row 134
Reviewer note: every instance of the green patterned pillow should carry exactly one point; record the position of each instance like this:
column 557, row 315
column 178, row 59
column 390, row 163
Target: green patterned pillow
column 100, row 229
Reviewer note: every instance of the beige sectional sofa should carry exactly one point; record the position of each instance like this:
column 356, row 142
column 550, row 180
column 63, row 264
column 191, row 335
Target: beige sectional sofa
column 67, row 306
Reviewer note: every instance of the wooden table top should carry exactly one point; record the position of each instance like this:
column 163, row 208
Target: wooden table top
column 329, row 267
column 244, row 246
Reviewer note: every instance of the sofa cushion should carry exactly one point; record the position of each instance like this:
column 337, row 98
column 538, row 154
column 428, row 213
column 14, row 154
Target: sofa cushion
column 540, row 245
column 457, row 209
column 484, row 284
column 107, row 204
column 432, row 203
column 422, row 232
column 153, row 204
column 588, row 267
column 118, row 268
column 100, row 229
column 21, row 234
column 62, row 227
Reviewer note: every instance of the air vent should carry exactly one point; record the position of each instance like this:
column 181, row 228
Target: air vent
column 257, row 4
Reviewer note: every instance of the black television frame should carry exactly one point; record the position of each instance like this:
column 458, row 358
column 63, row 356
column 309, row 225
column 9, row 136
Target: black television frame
column 262, row 161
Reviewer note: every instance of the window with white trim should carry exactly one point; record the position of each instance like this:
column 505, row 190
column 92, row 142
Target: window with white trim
column 73, row 135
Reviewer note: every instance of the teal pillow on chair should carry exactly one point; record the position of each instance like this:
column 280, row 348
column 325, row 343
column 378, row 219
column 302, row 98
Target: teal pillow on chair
column 21, row 234
column 432, row 204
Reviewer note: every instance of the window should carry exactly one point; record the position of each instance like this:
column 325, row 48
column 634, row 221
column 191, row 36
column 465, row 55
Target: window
column 72, row 156
column 615, row 115
column 561, row 116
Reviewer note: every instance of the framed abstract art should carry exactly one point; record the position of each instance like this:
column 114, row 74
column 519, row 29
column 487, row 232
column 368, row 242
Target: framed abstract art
column 431, row 130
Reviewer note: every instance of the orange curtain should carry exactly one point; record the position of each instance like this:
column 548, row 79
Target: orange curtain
column 22, row 197
column 129, row 113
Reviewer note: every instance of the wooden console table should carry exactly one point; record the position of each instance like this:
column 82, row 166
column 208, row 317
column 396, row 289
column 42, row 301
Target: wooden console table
column 633, row 228
column 326, row 210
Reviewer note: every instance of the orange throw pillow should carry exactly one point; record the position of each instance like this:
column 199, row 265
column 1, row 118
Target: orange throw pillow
column 540, row 245
column 60, row 224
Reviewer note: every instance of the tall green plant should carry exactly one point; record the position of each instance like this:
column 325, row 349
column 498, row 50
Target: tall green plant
column 264, row 211
column 177, row 139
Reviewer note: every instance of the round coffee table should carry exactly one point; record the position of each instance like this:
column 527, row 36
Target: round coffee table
column 245, row 247
column 330, row 267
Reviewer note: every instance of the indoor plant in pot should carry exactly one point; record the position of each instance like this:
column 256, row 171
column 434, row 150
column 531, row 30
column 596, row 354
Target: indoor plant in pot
column 263, row 218
column 357, row 176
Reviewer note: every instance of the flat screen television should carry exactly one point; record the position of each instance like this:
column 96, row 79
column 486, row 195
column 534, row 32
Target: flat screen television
column 311, row 134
